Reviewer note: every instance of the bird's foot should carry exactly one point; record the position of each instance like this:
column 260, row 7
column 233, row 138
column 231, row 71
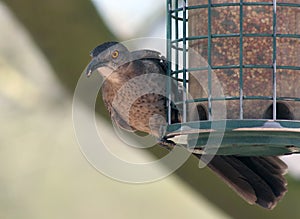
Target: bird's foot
column 168, row 144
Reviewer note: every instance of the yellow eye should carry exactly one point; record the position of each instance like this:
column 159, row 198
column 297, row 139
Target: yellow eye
column 115, row 54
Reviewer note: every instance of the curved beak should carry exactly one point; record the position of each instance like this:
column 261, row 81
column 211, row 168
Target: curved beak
column 92, row 66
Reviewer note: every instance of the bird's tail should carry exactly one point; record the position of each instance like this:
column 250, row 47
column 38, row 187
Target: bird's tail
column 257, row 180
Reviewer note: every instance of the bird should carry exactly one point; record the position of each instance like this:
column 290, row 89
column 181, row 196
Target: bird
column 257, row 179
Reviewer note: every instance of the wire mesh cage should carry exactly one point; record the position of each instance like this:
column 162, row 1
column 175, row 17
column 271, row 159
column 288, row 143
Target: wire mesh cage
column 238, row 62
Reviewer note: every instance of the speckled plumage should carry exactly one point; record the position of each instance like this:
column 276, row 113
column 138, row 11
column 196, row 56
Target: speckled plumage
column 141, row 109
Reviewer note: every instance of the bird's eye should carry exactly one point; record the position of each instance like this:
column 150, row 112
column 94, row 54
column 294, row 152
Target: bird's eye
column 115, row 54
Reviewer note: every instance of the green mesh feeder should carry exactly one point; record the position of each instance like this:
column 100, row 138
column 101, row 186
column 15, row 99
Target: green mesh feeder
column 238, row 62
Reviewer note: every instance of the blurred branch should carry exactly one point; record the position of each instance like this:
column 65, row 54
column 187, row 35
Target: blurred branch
column 66, row 31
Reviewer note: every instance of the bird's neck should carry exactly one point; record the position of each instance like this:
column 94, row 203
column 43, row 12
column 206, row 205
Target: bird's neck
column 105, row 72
column 119, row 76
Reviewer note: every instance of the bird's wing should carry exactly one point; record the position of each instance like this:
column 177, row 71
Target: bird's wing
column 150, row 55
column 145, row 53
column 258, row 180
column 158, row 59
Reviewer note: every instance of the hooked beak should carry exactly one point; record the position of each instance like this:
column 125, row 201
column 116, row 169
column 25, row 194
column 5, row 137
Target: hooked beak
column 92, row 66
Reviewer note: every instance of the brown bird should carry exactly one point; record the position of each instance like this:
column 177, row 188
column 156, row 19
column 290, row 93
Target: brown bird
column 258, row 180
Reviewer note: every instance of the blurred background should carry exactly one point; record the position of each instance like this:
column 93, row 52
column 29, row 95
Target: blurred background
column 44, row 47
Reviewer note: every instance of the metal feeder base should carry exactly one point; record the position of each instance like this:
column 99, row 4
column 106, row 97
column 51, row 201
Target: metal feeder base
column 238, row 137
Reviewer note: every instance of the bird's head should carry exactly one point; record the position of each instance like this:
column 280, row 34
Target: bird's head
column 107, row 57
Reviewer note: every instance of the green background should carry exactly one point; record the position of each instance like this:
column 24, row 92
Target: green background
column 43, row 173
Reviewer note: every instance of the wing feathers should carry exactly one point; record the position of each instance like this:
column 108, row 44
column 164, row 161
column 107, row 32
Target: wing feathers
column 258, row 180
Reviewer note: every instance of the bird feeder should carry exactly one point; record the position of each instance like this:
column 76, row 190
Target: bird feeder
column 238, row 63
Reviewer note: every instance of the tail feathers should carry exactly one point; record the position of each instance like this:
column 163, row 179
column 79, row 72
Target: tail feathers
column 258, row 180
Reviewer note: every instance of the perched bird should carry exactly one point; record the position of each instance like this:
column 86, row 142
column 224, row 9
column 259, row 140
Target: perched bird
column 258, row 180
